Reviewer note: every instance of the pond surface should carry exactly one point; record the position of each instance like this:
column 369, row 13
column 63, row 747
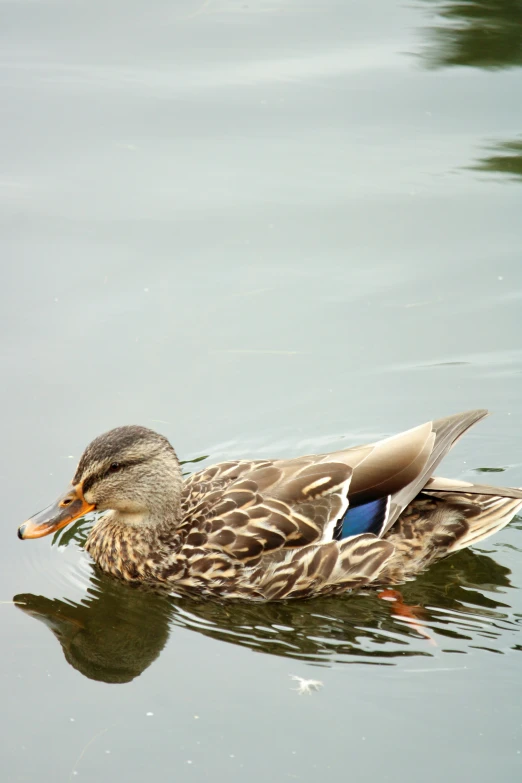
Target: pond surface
column 262, row 228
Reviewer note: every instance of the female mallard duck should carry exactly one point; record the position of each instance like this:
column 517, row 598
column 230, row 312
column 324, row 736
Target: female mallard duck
column 277, row 529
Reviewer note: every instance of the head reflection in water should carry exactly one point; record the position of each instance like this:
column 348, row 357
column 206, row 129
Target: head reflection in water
column 118, row 631
column 113, row 635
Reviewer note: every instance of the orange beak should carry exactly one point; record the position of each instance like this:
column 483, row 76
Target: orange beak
column 70, row 506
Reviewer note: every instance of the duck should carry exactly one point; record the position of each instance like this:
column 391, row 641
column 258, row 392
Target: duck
column 369, row 516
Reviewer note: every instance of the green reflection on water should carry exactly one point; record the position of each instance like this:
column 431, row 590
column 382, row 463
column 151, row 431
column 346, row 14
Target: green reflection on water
column 506, row 158
column 481, row 35
column 117, row 630
column 478, row 34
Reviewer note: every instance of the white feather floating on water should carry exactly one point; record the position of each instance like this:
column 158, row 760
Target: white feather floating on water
column 306, row 686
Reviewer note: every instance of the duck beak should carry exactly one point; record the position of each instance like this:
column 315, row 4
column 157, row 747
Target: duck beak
column 70, row 506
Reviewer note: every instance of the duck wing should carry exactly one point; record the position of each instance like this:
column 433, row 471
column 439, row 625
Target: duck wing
column 399, row 467
column 251, row 509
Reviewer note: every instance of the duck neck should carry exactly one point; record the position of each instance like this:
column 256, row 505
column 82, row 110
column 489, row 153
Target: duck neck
column 128, row 545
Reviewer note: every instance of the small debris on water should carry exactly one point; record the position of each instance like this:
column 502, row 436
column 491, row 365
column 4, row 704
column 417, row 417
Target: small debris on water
column 306, row 686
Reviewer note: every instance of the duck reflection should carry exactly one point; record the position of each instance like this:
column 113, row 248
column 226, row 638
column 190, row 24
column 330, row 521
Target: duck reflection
column 113, row 635
column 117, row 631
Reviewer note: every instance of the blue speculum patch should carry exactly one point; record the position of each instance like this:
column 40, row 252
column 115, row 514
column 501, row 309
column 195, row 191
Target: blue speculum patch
column 365, row 518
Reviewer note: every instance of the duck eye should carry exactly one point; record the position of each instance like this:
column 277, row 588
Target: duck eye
column 114, row 467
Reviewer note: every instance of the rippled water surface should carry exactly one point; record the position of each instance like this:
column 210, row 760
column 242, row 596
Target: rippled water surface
column 262, row 228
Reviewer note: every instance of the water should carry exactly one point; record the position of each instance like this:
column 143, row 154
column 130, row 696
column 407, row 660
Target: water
column 262, row 229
